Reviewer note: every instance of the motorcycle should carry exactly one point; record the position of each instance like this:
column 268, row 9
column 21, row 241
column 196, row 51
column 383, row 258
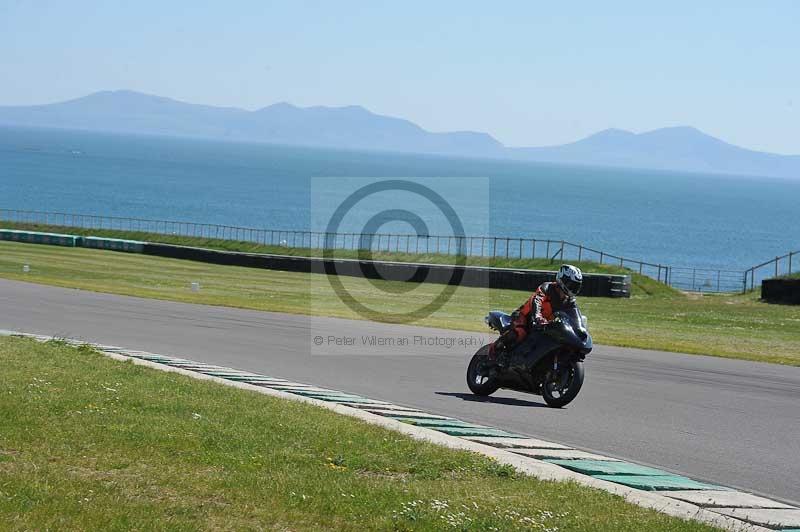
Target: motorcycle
column 548, row 362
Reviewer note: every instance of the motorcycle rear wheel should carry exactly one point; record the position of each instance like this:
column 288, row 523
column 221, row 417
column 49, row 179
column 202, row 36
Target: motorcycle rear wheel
column 478, row 381
column 570, row 377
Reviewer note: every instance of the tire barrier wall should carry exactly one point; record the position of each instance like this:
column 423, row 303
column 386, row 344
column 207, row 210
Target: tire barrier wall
column 33, row 237
column 114, row 244
column 594, row 285
column 785, row 291
column 55, row 239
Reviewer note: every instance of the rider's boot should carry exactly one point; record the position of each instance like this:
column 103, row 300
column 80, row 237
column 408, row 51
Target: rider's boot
column 502, row 344
column 493, row 352
column 498, row 353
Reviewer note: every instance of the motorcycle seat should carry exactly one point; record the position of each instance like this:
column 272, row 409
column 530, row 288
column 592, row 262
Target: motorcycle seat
column 498, row 320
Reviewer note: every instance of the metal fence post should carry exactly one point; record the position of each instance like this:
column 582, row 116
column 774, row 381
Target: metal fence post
column 776, row 266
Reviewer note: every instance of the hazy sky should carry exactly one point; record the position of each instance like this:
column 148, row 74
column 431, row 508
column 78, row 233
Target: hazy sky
column 529, row 73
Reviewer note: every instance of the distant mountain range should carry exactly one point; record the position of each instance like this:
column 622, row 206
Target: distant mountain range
column 353, row 127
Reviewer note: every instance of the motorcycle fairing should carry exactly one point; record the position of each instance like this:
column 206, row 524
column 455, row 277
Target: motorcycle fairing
column 531, row 350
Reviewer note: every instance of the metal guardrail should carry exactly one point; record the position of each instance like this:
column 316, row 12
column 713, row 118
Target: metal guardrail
column 705, row 279
column 772, row 268
column 479, row 246
column 692, row 279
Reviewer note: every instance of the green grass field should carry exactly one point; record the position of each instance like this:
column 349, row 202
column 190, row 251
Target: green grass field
column 735, row 326
column 89, row 443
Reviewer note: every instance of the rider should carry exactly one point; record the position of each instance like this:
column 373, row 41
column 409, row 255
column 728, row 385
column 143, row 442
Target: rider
column 538, row 310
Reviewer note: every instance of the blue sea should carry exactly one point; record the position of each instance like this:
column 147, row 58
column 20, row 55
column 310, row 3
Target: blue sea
column 679, row 219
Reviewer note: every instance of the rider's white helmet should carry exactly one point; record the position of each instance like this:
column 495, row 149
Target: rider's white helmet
column 569, row 279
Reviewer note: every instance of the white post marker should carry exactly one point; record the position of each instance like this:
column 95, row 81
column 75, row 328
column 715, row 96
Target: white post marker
column 195, row 286
column 26, row 268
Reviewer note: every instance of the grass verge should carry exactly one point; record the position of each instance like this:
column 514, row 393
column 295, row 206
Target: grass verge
column 735, row 326
column 640, row 284
column 88, row 443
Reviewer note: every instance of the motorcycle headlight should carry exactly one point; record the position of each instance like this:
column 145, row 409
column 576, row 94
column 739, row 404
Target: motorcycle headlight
column 585, row 321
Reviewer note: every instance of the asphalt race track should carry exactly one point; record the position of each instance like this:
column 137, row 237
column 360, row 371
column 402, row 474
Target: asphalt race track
column 728, row 422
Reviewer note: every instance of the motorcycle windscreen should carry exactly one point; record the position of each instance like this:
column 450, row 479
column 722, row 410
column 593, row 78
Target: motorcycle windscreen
column 575, row 334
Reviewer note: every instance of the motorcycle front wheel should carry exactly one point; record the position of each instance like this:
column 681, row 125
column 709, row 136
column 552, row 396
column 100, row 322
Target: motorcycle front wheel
column 562, row 386
column 479, row 380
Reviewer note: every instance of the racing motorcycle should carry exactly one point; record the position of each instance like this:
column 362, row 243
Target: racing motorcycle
column 548, row 362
